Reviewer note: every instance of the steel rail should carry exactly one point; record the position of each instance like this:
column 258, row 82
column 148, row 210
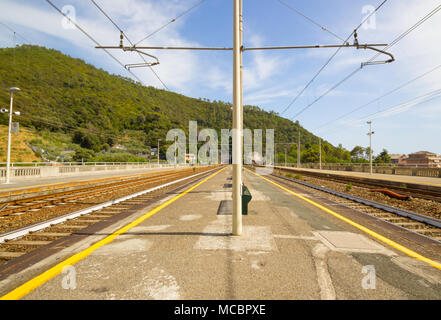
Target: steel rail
column 19, row 233
column 401, row 212
column 411, row 188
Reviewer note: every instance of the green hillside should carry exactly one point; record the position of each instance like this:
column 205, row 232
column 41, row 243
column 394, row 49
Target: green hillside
column 94, row 115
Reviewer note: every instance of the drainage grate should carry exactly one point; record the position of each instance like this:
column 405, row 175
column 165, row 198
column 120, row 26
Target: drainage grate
column 228, row 185
column 225, row 208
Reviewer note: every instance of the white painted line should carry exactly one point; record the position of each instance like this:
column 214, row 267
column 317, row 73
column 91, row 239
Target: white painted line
column 327, row 291
column 285, row 236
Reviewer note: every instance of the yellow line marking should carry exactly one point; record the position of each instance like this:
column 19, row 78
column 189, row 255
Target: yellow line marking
column 389, row 242
column 34, row 283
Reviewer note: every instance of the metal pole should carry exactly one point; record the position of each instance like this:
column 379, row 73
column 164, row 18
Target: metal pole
column 298, row 150
column 237, row 122
column 158, row 151
column 370, row 145
column 320, row 147
column 285, row 158
column 8, row 169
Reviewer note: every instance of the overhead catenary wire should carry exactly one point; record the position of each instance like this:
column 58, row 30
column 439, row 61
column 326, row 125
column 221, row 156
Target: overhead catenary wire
column 171, row 21
column 331, row 58
column 381, row 97
column 125, row 36
column 407, row 104
column 394, row 42
column 311, row 20
column 92, row 39
column 15, row 32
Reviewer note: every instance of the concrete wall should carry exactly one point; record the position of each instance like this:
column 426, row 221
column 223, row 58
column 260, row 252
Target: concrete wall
column 405, row 171
column 18, row 173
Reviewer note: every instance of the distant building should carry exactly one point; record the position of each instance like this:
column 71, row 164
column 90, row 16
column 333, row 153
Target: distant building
column 424, row 159
column 398, row 159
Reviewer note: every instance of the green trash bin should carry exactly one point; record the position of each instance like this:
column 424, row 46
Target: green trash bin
column 246, row 198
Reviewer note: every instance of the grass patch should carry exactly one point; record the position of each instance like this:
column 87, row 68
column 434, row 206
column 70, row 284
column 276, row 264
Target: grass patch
column 349, row 187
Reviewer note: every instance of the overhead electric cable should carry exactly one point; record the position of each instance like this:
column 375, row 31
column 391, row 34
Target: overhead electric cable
column 15, row 32
column 171, row 21
column 92, row 39
column 310, row 19
column 394, row 42
column 408, row 104
column 381, row 97
column 122, row 32
column 331, row 58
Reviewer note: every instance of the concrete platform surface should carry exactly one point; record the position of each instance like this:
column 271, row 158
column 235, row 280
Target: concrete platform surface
column 289, row 250
column 389, row 177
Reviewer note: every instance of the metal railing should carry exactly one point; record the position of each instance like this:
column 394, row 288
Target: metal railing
column 59, row 164
column 378, row 168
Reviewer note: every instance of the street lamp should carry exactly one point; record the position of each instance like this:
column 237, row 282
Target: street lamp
column 158, row 151
column 8, row 165
column 370, row 144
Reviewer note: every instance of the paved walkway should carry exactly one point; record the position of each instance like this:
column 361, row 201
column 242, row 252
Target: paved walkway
column 388, row 177
column 289, row 250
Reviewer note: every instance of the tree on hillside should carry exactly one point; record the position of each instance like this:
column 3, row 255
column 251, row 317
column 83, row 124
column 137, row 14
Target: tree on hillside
column 383, row 157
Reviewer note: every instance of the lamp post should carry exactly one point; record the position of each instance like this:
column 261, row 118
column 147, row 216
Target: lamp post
column 8, row 165
column 370, row 144
column 298, row 150
column 158, row 151
column 320, row 152
column 176, row 151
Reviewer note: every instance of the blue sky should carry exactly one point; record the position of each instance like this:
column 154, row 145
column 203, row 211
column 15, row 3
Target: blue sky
column 272, row 79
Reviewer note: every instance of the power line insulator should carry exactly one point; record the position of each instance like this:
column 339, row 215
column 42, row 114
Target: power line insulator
column 121, row 42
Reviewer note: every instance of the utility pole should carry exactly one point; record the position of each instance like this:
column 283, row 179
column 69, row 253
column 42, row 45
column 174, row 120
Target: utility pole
column 176, row 151
column 320, row 152
column 298, row 150
column 8, row 164
column 158, row 151
column 237, row 119
column 285, row 158
column 370, row 144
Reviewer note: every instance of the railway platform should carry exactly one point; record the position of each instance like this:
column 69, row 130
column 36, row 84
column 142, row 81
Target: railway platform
column 399, row 179
column 294, row 245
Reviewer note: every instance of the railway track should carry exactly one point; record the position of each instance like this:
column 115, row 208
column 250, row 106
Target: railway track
column 410, row 190
column 421, row 224
column 16, row 243
column 71, row 196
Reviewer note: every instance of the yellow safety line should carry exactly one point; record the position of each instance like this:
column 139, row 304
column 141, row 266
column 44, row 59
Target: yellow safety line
column 389, row 242
column 34, row 283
